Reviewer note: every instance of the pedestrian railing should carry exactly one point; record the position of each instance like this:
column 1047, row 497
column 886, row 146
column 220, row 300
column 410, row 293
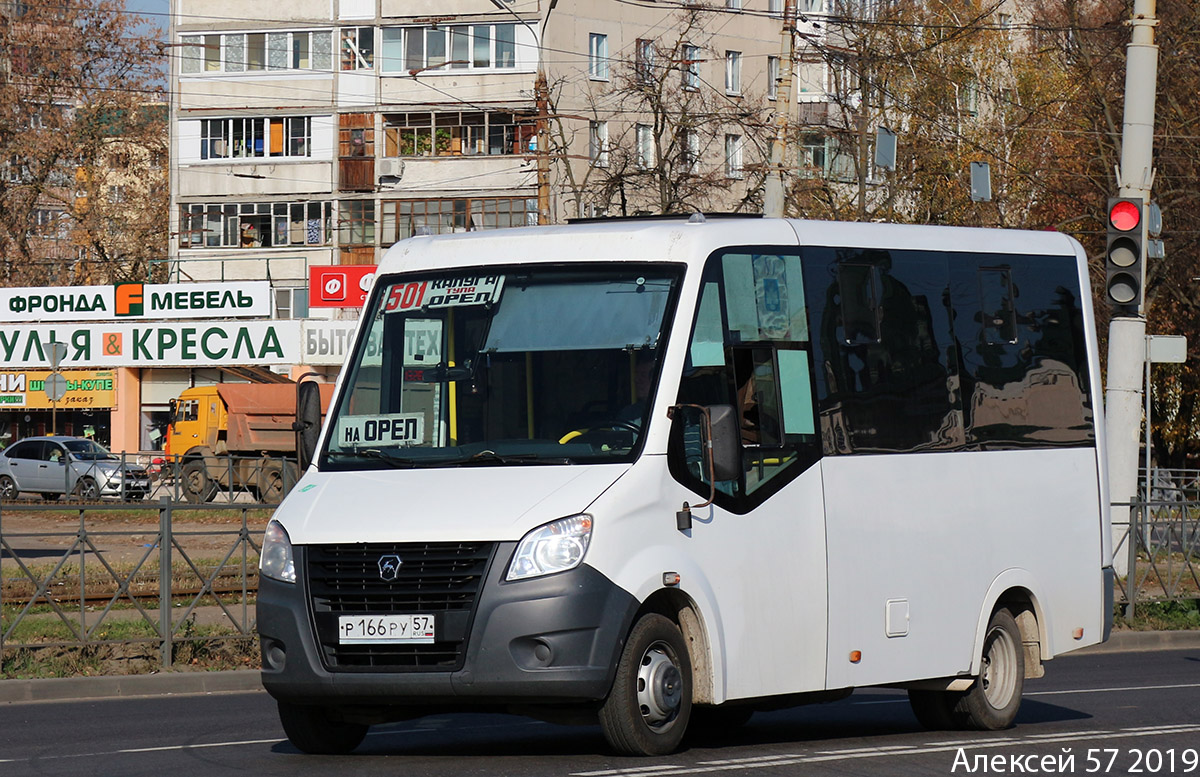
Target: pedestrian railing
column 166, row 577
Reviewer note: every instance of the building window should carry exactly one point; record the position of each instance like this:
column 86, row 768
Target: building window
column 291, row 302
column 50, row 223
column 241, row 138
column 256, row 52
column 733, row 5
column 691, row 66
column 970, row 99
column 643, row 62
column 598, row 56
column 1005, row 20
column 645, row 146
column 690, row 149
column 821, row 157
column 772, row 77
column 455, row 133
column 455, row 47
column 733, row 156
column 254, row 224
column 356, row 222
column 775, row 7
column 598, row 143
column 404, row 218
column 733, row 72
column 358, row 48
column 116, row 194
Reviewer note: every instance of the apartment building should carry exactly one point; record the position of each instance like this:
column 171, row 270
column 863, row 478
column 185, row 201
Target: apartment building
column 319, row 133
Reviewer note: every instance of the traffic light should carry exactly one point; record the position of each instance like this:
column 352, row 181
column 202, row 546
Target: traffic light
column 1124, row 256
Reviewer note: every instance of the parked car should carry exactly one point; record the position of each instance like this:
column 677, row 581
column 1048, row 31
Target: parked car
column 53, row 466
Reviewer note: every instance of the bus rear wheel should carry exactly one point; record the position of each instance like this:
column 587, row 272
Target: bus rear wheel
column 648, row 708
column 991, row 703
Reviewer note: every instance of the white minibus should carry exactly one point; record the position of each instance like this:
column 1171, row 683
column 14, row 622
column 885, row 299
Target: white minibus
column 661, row 472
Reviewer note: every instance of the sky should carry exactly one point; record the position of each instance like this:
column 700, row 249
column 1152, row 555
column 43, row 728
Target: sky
column 157, row 11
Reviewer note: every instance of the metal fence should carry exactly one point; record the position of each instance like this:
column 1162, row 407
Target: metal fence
column 1160, row 543
column 148, row 574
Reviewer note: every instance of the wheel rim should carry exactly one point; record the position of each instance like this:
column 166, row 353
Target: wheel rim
column 659, row 686
column 8, row 488
column 999, row 676
column 195, row 481
column 88, row 490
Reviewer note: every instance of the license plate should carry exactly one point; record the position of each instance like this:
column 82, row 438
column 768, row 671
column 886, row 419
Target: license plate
column 385, row 628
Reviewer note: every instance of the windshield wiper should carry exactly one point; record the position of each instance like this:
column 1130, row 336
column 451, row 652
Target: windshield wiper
column 399, row 462
column 491, row 457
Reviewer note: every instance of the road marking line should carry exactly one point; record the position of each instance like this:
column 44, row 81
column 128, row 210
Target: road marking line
column 790, row 759
column 1113, row 690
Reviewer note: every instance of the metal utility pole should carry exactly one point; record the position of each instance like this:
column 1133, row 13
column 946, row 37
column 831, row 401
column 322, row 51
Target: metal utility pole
column 774, row 187
column 1127, row 333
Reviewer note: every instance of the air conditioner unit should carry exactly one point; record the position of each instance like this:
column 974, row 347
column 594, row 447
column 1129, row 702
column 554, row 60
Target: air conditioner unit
column 391, row 168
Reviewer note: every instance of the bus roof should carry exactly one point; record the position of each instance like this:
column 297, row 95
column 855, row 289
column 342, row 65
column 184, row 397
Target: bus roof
column 691, row 241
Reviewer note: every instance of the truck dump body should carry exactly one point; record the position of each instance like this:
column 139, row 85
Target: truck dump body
column 260, row 416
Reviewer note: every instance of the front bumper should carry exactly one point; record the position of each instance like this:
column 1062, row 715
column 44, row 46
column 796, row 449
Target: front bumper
column 551, row 640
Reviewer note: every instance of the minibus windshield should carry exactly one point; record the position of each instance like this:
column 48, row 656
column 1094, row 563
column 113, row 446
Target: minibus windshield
column 525, row 366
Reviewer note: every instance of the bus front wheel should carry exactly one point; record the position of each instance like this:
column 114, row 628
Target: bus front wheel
column 314, row 730
column 648, row 708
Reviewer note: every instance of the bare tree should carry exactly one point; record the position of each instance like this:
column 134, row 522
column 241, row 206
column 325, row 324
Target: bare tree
column 666, row 133
column 78, row 82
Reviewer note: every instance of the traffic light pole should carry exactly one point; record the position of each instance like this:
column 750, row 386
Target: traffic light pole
column 1127, row 333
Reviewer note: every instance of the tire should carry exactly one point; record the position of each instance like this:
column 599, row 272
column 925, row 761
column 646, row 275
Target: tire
column 8, row 488
column 50, row 496
column 934, row 709
column 992, row 702
column 650, row 703
column 86, row 489
column 276, row 480
column 313, row 730
column 198, row 487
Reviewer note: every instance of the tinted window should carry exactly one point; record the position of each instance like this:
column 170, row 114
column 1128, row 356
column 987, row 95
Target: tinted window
column 1025, row 380
column 30, row 449
column 884, row 350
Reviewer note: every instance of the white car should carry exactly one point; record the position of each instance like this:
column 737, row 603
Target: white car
column 52, row 466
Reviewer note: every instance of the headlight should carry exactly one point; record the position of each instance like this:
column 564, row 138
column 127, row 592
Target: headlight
column 276, row 558
column 555, row 547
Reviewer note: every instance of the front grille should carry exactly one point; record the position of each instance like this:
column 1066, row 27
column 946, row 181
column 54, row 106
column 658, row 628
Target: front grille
column 439, row 578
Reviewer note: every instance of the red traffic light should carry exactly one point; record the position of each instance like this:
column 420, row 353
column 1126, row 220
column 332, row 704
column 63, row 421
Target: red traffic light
column 1125, row 215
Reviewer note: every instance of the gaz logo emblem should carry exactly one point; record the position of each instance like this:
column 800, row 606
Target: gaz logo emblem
column 389, row 568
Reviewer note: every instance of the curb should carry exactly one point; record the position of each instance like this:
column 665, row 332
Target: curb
column 1141, row 641
column 127, row 686
column 243, row 680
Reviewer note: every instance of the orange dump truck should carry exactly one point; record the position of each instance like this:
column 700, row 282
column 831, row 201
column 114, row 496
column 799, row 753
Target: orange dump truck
column 236, row 436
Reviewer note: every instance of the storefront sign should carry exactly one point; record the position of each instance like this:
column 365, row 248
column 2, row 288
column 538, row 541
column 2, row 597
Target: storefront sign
column 326, row 343
column 340, row 286
column 85, row 389
column 136, row 300
column 152, row 344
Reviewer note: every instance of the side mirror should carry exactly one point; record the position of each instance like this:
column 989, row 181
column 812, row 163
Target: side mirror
column 725, row 439
column 172, row 407
column 721, row 453
column 308, row 421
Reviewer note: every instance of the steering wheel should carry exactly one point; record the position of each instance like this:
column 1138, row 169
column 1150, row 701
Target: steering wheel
column 614, row 425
